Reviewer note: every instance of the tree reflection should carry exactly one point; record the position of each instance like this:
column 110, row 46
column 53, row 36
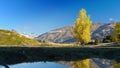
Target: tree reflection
column 81, row 64
column 116, row 64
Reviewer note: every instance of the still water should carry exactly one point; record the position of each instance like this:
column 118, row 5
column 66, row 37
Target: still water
column 60, row 58
column 85, row 63
column 38, row 65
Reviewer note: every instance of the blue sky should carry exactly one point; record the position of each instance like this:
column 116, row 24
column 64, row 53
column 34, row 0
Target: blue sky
column 40, row 16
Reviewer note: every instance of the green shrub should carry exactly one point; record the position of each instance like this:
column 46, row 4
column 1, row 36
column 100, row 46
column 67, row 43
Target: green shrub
column 108, row 39
column 96, row 42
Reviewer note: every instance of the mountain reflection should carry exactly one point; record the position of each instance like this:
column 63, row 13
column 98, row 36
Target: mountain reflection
column 92, row 63
column 79, row 57
column 85, row 63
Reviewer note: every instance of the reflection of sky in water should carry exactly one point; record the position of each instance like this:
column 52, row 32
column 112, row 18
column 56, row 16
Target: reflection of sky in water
column 38, row 65
column 86, row 63
column 2, row 67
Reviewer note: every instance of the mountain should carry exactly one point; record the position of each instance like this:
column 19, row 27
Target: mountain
column 57, row 35
column 102, row 31
column 64, row 34
column 13, row 38
column 31, row 35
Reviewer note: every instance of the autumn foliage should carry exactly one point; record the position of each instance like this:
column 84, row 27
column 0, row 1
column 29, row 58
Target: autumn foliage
column 116, row 32
column 81, row 29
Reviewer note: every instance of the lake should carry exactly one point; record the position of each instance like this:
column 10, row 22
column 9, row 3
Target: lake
column 85, row 63
column 59, row 57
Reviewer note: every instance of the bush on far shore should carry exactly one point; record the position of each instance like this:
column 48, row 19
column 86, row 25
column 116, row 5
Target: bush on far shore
column 96, row 42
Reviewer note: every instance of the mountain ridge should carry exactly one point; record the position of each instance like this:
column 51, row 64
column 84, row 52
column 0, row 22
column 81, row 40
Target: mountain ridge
column 63, row 35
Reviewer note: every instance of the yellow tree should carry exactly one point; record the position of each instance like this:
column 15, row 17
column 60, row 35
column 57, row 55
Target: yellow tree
column 117, row 32
column 81, row 29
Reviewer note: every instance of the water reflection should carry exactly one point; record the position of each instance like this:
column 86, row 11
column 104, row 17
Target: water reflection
column 92, row 63
column 39, row 65
column 73, row 57
column 81, row 64
column 85, row 63
column 4, row 65
column 116, row 64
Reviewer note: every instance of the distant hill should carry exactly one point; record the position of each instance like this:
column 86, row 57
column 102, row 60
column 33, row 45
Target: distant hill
column 13, row 38
column 63, row 35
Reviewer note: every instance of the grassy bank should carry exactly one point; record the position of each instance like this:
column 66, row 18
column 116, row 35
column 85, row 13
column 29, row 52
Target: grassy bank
column 13, row 55
column 10, row 38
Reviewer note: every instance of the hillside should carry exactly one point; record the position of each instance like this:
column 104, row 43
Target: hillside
column 13, row 38
column 63, row 35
